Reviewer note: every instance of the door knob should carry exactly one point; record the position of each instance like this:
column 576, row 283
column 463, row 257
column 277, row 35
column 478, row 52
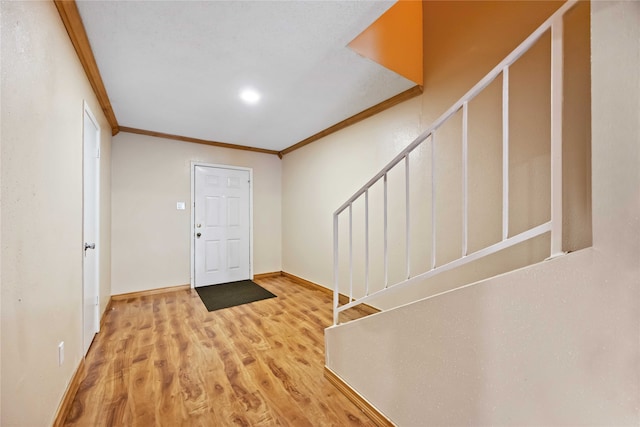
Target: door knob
column 89, row 246
column 198, row 235
column 198, row 225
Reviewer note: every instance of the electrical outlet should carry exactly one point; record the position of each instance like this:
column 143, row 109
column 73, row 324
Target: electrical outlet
column 61, row 353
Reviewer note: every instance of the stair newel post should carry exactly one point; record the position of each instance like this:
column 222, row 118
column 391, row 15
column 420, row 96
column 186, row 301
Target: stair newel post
column 336, row 280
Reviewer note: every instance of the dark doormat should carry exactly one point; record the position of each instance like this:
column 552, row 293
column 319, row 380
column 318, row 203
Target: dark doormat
column 216, row 297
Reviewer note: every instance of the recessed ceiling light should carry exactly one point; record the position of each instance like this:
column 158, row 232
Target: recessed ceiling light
column 250, row 96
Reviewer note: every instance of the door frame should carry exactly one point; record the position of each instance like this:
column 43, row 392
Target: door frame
column 87, row 110
column 193, row 213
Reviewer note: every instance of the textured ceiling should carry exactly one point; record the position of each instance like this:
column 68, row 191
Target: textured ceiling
column 177, row 67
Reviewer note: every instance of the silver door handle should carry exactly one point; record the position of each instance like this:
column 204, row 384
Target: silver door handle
column 89, row 246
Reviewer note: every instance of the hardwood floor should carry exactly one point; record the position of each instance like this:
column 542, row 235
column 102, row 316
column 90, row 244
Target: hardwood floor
column 164, row 360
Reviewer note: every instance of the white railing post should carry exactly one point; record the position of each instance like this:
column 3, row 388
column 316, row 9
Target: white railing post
column 465, row 173
column 386, row 248
column 505, row 153
column 556, row 134
column 350, row 253
column 366, row 242
column 433, row 199
column 408, row 218
column 336, row 273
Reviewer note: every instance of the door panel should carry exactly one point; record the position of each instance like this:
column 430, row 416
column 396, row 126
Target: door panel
column 90, row 285
column 212, row 256
column 212, row 214
column 222, row 250
column 233, row 211
column 233, row 254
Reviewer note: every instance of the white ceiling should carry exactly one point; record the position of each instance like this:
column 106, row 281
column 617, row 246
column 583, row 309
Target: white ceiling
column 177, row 67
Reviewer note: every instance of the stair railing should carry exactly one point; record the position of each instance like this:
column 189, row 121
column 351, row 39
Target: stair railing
column 554, row 225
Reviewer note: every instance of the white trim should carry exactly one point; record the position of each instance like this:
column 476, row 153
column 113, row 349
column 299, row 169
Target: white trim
column 87, row 110
column 192, row 214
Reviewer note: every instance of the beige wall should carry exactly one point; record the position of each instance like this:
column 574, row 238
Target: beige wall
column 553, row 344
column 463, row 41
column 43, row 88
column 321, row 176
column 150, row 237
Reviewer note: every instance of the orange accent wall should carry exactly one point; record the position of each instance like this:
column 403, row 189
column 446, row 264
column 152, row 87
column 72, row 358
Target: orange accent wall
column 395, row 40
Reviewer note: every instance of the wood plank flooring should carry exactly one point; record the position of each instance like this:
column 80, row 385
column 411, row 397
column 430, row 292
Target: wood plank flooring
column 163, row 360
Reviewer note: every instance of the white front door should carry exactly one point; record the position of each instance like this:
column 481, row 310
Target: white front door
column 90, row 309
column 222, row 225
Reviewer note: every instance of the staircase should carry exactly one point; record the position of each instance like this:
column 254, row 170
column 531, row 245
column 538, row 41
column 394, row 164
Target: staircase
column 398, row 251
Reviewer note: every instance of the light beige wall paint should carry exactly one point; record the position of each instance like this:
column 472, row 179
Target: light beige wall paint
column 556, row 343
column 43, row 88
column 150, row 238
column 321, row 176
column 463, row 41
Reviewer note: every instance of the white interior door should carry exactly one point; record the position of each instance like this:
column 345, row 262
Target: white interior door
column 222, row 225
column 90, row 309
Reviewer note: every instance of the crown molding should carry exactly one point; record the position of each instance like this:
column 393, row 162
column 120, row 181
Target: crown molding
column 72, row 21
column 384, row 105
column 195, row 140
